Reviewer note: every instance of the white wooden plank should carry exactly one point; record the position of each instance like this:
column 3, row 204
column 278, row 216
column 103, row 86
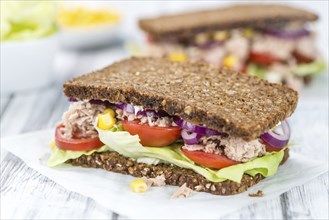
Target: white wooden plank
column 309, row 201
column 18, row 113
column 265, row 210
column 43, row 108
column 32, row 111
column 25, row 194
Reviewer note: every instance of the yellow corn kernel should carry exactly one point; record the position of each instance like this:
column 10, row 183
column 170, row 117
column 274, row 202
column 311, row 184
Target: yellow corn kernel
column 52, row 144
column 177, row 57
column 106, row 119
column 221, row 35
column 109, row 111
column 248, row 32
column 138, row 185
column 201, row 38
column 229, row 61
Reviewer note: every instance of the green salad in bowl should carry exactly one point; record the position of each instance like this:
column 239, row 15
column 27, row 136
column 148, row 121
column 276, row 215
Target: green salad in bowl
column 28, row 44
column 26, row 20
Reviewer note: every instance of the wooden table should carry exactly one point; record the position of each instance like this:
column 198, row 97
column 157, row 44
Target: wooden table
column 26, row 194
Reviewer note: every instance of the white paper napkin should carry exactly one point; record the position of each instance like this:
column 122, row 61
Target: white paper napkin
column 112, row 190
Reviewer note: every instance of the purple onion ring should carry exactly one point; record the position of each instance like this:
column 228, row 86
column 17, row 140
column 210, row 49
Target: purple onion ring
column 287, row 34
column 274, row 139
column 199, row 129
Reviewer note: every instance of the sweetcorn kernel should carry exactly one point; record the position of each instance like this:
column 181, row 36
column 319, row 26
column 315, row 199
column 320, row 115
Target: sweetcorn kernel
column 221, row 35
column 248, row 32
column 109, row 111
column 178, row 57
column 106, row 119
column 138, row 185
column 201, row 38
column 229, row 61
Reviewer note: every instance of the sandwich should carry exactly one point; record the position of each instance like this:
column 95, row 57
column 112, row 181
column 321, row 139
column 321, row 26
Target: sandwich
column 274, row 42
column 216, row 131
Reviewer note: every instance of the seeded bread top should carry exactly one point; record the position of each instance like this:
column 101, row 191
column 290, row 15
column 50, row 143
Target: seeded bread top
column 236, row 16
column 227, row 101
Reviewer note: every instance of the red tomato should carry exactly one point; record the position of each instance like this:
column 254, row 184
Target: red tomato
column 264, row 59
column 209, row 160
column 152, row 136
column 76, row 144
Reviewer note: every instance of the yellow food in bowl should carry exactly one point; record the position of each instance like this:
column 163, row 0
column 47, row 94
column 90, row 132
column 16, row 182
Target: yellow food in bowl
column 83, row 17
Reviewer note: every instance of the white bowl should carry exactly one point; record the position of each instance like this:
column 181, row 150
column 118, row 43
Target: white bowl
column 89, row 37
column 27, row 64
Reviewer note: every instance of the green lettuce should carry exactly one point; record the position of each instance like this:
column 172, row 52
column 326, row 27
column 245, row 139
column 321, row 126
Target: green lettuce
column 24, row 20
column 59, row 156
column 304, row 69
column 309, row 68
column 128, row 145
column 256, row 70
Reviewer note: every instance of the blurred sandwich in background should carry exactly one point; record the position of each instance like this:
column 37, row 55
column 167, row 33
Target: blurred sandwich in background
column 274, row 42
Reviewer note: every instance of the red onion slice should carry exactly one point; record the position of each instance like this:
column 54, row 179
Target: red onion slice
column 72, row 100
column 277, row 140
column 199, row 129
column 287, row 34
column 210, row 44
column 190, row 139
column 100, row 102
column 126, row 107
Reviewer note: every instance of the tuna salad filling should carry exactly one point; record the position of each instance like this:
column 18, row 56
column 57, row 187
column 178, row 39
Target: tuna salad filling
column 79, row 120
column 153, row 136
column 83, row 118
column 148, row 117
column 254, row 51
column 234, row 148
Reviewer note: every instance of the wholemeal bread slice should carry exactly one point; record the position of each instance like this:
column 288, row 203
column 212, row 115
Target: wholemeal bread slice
column 174, row 175
column 227, row 101
column 236, row 16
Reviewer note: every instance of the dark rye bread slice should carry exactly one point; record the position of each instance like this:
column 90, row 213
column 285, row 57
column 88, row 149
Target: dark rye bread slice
column 176, row 176
column 227, row 101
column 236, row 16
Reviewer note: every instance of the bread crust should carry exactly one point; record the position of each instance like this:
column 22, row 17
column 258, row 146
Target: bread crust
column 176, row 176
column 237, row 104
column 237, row 16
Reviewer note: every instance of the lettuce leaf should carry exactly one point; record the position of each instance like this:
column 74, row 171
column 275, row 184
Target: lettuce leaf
column 309, row 68
column 128, row 145
column 256, row 70
column 59, row 156
column 304, row 69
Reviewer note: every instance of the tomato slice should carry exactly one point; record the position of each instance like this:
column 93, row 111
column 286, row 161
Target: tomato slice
column 264, row 59
column 75, row 144
column 209, row 160
column 152, row 136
